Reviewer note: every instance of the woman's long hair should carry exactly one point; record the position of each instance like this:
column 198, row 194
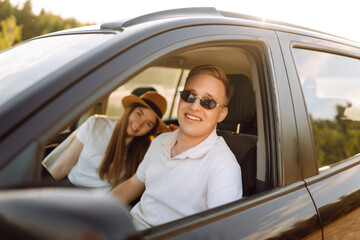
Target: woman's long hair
column 121, row 162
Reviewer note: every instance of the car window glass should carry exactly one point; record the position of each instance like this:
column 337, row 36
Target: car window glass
column 331, row 87
column 163, row 79
column 40, row 57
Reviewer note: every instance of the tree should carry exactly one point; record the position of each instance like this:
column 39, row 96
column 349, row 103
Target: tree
column 27, row 19
column 10, row 33
column 6, row 10
column 20, row 19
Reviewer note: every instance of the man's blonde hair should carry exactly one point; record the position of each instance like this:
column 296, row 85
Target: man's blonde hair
column 215, row 72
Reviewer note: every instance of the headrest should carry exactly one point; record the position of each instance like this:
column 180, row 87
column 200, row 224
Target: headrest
column 141, row 90
column 242, row 104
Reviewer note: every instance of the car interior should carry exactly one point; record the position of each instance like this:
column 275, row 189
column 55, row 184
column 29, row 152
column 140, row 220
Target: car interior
column 242, row 129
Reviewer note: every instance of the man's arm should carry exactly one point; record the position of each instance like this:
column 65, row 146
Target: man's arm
column 224, row 185
column 64, row 165
column 129, row 190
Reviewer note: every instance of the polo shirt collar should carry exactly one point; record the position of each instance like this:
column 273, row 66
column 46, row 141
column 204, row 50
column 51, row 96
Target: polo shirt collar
column 195, row 152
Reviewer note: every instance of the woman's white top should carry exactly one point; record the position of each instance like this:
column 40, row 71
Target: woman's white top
column 95, row 135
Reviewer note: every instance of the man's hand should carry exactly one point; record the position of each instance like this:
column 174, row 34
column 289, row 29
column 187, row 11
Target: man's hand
column 129, row 190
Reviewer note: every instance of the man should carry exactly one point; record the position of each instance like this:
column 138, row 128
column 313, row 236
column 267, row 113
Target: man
column 191, row 169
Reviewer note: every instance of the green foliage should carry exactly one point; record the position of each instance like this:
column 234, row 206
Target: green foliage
column 336, row 140
column 10, row 32
column 6, row 10
column 29, row 24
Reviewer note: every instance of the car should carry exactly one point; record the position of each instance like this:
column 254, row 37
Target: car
column 293, row 123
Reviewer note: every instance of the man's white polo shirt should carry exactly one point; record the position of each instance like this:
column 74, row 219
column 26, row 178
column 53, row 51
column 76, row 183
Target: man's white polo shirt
column 202, row 177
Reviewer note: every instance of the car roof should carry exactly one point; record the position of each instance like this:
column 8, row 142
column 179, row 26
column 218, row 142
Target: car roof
column 217, row 16
column 200, row 12
column 206, row 16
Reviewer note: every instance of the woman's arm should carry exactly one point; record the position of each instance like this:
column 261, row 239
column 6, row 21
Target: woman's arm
column 64, row 165
column 129, row 190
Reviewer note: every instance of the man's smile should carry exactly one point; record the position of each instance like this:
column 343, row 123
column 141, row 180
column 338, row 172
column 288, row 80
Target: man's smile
column 193, row 117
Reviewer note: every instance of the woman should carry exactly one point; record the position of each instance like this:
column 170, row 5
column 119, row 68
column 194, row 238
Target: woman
column 107, row 151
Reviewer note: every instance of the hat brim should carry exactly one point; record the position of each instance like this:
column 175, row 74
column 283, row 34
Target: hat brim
column 129, row 100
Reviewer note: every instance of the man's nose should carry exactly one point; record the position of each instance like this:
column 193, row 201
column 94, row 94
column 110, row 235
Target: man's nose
column 196, row 104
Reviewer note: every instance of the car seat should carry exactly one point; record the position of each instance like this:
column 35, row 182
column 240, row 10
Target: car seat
column 242, row 112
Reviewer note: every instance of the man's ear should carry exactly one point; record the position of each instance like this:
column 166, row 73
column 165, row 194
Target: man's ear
column 223, row 114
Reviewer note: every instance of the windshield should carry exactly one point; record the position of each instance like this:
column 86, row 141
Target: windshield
column 28, row 63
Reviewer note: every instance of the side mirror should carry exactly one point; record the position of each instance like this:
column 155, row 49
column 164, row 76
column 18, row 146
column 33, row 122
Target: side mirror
column 63, row 213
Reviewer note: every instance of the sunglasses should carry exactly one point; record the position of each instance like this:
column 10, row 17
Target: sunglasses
column 205, row 102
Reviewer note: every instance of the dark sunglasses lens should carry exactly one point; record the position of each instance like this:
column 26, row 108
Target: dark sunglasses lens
column 187, row 96
column 208, row 103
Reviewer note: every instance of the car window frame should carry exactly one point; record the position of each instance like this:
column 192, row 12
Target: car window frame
column 306, row 142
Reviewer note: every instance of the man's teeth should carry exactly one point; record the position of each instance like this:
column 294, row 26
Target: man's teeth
column 193, row 117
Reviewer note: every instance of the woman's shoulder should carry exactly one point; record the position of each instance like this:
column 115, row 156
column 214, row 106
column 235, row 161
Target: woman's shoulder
column 102, row 120
column 105, row 118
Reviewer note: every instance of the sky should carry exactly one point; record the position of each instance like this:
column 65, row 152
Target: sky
column 340, row 18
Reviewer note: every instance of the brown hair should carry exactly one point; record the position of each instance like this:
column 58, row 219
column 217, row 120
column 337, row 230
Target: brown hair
column 215, row 72
column 121, row 162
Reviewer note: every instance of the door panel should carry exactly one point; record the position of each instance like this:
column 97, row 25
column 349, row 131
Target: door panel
column 338, row 199
column 283, row 214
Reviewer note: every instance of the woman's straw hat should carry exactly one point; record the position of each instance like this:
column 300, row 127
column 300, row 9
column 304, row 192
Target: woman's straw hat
column 151, row 100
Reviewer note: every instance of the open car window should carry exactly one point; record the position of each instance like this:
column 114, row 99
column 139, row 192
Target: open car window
column 240, row 129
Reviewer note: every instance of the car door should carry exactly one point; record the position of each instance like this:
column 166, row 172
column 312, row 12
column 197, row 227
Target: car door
column 326, row 76
column 282, row 207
